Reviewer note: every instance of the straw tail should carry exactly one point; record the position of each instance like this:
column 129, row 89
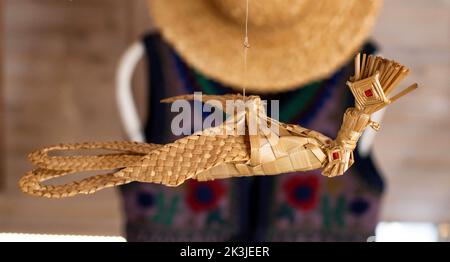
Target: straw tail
column 117, row 155
column 374, row 80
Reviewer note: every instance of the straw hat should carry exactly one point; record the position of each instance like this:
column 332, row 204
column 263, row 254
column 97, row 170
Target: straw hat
column 292, row 42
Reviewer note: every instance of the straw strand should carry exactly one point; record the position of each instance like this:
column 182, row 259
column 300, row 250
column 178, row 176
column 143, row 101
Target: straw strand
column 246, row 47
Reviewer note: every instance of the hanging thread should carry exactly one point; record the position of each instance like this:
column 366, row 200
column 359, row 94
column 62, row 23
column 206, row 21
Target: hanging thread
column 246, row 47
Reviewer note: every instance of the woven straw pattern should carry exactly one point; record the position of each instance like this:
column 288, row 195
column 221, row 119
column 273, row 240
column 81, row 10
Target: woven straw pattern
column 174, row 163
column 57, row 166
column 131, row 152
column 220, row 152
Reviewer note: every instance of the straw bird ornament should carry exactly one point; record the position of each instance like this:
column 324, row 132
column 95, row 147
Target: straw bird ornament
column 221, row 152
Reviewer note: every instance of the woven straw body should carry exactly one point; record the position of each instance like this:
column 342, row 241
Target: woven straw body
column 293, row 41
column 222, row 152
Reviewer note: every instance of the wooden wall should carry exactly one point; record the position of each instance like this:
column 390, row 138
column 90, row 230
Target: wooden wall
column 412, row 146
column 2, row 124
column 60, row 58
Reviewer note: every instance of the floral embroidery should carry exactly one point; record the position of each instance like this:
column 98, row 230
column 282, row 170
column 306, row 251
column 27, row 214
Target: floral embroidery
column 333, row 214
column 302, row 191
column 145, row 199
column 204, row 196
column 167, row 208
column 359, row 206
column 285, row 212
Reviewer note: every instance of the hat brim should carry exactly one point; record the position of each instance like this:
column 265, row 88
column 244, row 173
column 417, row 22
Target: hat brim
column 327, row 34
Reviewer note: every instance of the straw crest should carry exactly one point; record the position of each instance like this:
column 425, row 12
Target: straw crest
column 375, row 78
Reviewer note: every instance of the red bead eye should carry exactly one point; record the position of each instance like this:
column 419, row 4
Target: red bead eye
column 368, row 93
column 335, row 155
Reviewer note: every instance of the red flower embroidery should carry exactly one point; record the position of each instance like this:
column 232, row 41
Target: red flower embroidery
column 302, row 191
column 204, row 196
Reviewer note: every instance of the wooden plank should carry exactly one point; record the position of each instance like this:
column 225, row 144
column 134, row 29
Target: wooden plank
column 2, row 117
column 59, row 87
column 412, row 146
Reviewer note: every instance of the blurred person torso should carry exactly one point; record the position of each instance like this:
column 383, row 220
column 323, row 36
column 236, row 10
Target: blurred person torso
column 301, row 206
